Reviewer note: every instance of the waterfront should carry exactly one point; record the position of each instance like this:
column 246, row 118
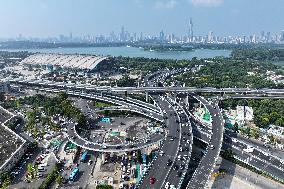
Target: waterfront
column 134, row 52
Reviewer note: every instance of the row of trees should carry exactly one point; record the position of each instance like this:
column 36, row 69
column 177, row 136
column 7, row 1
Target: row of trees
column 147, row 65
column 266, row 112
column 51, row 106
column 263, row 54
column 229, row 73
column 54, row 175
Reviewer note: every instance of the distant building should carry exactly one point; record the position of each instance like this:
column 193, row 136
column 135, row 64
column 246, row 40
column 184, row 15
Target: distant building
column 244, row 113
column 282, row 35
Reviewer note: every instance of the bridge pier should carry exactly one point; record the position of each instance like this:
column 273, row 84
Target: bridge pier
column 186, row 100
column 147, row 96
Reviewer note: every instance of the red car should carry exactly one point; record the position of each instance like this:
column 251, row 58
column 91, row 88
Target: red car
column 152, row 180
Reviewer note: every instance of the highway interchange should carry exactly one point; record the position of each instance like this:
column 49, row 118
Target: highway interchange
column 177, row 118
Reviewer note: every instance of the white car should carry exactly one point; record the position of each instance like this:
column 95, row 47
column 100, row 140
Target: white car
column 167, row 185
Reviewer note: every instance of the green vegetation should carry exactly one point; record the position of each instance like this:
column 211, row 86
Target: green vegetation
column 259, row 54
column 32, row 170
column 5, row 180
column 51, row 177
column 59, row 180
column 2, row 97
column 147, row 65
column 104, row 186
column 141, row 97
column 98, row 104
column 164, row 48
column 266, row 111
column 50, row 106
column 126, row 81
column 224, row 73
column 119, row 113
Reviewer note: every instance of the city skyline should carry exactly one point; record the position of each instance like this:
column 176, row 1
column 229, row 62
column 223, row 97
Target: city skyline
column 188, row 37
column 50, row 18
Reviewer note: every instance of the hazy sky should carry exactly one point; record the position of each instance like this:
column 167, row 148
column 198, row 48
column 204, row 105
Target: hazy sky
column 43, row 18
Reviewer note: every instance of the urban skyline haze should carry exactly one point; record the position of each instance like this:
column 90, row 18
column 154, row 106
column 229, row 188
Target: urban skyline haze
column 49, row 18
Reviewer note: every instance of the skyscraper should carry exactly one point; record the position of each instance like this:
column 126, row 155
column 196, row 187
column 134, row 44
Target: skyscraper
column 162, row 36
column 210, row 36
column 282, row 35
column 122, row 34
column 190, row 31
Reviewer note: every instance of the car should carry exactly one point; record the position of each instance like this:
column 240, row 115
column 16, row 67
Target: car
column 152, row 180
column 172, row 139
column 179, row 174
column 176, row 167
column 169, row 162
column 212, row 147
column 167, row 185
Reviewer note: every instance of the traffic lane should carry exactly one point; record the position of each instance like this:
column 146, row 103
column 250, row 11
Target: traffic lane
column 169, row 147
column 174, row 178
column 261, row 155
column 259, row 164
column 159, row 168
column 207, row 163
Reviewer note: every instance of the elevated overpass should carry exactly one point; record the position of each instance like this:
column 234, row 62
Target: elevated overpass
column 109, row 89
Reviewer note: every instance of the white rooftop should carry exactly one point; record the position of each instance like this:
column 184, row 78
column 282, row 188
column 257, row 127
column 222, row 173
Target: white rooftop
column 84, row 62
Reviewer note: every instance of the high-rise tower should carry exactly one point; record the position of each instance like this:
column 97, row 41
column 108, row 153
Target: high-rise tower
column 190, row 31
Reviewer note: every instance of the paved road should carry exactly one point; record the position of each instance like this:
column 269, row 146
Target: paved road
column 91, row 88
column 178, row 171
column 159, row 169
column 249, row 176
column 207, row 163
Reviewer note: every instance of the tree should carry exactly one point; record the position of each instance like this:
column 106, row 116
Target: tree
column 2, row 97
column 59, row 180
column 30, row 170
column 228, row 154
column 62, row 96
column 139, row 156
column 6, row 180
column 255, row 133
column 271, row 138
column 236, row 127
column 103, row 186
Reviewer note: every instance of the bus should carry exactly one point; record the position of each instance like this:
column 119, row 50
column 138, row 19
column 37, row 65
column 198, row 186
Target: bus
column 84, row 156
column 74, row 174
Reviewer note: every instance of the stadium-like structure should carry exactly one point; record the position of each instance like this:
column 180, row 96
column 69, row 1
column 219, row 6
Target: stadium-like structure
column 67, row 61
